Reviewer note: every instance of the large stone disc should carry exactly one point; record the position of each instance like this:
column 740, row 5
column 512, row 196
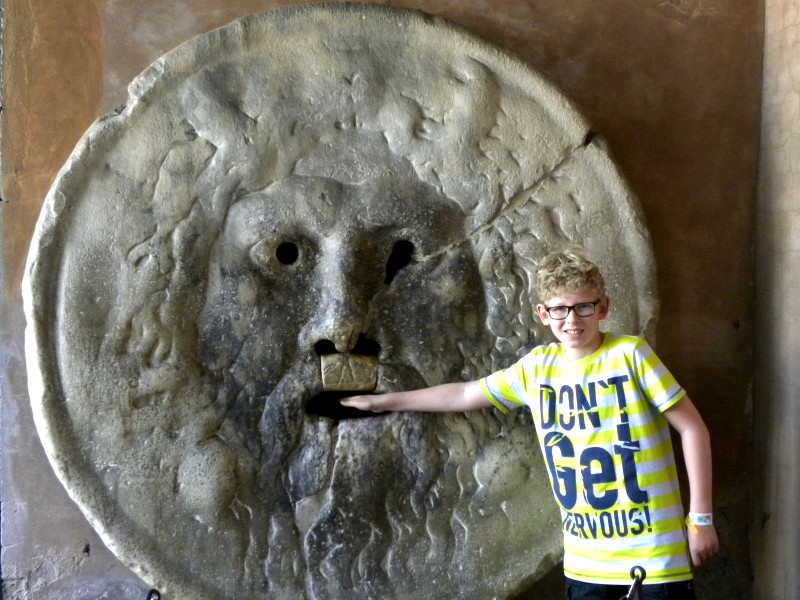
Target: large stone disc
column 303, row 203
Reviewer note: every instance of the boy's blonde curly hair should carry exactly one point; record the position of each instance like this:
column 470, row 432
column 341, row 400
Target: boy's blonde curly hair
column 569, row 271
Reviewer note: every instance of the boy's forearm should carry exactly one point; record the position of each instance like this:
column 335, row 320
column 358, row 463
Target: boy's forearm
column 697, row 456
column 449, row 397
column 696, row 442
column 703, row 539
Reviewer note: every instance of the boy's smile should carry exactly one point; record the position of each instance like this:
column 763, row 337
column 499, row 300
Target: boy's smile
column 580, row 336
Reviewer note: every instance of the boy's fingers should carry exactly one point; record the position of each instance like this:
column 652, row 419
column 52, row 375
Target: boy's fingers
column 359, row 402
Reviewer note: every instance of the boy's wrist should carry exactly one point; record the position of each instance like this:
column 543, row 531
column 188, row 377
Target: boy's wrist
column 696, row 521
column 697, row 518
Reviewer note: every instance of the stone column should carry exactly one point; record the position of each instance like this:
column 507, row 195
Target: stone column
column 777, row 392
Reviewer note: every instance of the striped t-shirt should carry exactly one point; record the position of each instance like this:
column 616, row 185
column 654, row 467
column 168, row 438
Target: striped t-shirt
column 609, row 455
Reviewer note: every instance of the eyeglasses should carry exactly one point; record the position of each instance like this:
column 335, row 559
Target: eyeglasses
column 584, row 309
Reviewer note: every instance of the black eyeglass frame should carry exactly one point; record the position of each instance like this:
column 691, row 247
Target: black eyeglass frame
column 573, row 308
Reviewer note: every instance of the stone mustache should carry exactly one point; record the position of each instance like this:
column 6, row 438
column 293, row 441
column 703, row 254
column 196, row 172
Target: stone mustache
column 305, row 203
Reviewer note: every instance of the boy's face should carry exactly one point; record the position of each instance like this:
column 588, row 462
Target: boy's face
column 580, row 336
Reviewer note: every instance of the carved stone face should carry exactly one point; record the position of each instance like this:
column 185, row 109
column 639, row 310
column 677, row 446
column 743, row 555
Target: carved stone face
column 311, row 267
column 317, row 288
column 374, row 281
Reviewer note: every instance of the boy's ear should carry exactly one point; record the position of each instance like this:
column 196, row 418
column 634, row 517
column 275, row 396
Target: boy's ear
column 604, row 308
column 542, row 313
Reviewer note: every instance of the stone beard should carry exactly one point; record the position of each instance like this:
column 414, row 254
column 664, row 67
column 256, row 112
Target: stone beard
column 267, row 227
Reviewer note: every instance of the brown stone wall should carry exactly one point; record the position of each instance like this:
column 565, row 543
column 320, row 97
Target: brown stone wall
column 673, row 85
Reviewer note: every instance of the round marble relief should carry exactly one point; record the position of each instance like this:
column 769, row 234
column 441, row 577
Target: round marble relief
column 300, row 205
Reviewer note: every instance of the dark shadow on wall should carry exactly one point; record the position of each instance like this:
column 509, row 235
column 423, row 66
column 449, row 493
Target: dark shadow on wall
column 549, row 587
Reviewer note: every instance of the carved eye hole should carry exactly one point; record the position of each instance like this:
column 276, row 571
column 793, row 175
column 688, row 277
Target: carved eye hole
column 402, row 251
column 287, row 253
column 271, row 259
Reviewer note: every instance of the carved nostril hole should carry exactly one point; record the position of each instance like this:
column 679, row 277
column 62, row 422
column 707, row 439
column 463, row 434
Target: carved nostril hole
column 287, row 253
column 402, row 251
column 325, row 347
column 366, row 347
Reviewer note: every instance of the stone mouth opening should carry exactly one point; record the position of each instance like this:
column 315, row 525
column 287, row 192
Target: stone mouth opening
column 327, row 405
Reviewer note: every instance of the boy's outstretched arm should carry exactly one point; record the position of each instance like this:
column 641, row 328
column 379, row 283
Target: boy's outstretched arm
column 448, row 397
column 696, row 442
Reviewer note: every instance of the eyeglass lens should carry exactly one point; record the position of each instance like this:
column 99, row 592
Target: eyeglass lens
column 584, row 309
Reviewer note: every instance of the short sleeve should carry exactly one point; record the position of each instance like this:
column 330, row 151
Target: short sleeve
column 506, row 389
column 655, row 380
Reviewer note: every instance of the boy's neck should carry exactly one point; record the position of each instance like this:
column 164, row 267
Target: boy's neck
column 580, row 353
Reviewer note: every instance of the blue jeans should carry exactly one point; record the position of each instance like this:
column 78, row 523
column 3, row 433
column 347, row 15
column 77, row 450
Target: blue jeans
column 679, row 590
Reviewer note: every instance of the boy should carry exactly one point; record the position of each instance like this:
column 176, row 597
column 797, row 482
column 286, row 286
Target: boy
column 602, row 405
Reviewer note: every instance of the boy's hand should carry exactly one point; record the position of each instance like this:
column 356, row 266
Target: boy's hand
column 364, row 402
column 703, row 544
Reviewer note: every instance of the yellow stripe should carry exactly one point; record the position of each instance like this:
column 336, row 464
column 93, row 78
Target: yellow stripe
column 629, row 556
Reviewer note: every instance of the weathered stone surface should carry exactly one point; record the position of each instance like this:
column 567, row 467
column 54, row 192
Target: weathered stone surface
column 304, row 187
column 775, row 521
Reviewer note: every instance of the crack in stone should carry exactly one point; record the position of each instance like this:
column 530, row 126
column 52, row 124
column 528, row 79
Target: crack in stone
column 516, row 202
